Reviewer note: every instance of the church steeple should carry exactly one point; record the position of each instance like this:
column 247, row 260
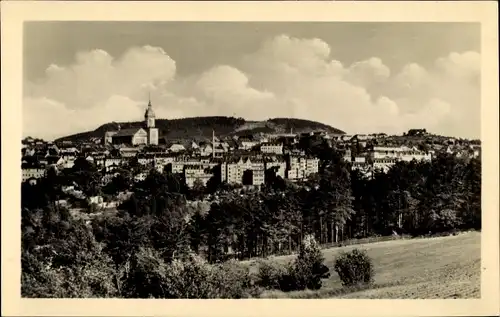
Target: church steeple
column 149, row 116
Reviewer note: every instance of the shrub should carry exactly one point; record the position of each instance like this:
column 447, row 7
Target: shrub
column 271, row 274
column 306, row 271
column 145, row 275
column 354, row 268
column 233, row 280
column 190, row 277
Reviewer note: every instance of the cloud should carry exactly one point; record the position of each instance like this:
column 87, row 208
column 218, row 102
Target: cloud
column 285, row 77
column 49, row 119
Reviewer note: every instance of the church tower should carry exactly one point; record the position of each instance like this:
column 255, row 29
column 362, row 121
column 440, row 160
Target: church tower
column 150, row 118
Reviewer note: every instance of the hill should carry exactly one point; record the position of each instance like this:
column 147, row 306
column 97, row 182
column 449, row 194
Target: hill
column 444, row 267
column 201, row 127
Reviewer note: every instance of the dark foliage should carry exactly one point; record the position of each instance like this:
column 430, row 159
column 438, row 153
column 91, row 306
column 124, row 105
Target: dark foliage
column 354, row 268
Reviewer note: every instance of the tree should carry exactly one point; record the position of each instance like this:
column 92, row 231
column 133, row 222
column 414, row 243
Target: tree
column 197, row 190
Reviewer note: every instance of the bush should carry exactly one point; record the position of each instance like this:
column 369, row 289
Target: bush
column 271, row 274
column 354, row 268
column 305, row 272
column 233, row 280
column 191, row 277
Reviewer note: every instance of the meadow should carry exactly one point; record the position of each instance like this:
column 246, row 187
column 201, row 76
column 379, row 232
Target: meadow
column 441, row 267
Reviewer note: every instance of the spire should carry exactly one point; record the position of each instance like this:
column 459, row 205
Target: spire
column 213, row 143
column 149, row 114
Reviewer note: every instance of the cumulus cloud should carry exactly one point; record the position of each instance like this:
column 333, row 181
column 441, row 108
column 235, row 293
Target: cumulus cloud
column 286, row 76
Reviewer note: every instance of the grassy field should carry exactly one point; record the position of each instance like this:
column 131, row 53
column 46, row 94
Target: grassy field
column 444, row 267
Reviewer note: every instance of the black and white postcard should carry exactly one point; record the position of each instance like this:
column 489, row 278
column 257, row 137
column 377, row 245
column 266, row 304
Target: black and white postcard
column 249, row 151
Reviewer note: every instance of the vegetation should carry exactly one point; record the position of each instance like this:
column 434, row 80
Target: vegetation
column 354, row 268
column 420, row 268
column 158, row 242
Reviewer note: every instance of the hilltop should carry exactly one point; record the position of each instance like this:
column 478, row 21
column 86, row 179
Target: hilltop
column 202, row 127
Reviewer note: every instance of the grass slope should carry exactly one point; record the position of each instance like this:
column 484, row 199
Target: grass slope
column 444, row 267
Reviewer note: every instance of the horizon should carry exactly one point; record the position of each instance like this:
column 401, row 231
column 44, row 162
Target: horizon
column 81, row 75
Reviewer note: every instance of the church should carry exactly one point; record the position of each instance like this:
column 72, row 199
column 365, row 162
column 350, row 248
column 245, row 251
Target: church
column 148, row 135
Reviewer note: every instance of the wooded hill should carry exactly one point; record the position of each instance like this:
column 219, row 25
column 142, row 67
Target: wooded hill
column 195, row 127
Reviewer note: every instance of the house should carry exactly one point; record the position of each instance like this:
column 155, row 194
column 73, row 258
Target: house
column 54, row 160
column 176, row 147
column 194, row 146
column 246, row 144
column 206, row 149
column 218, row 150
column 128, row 151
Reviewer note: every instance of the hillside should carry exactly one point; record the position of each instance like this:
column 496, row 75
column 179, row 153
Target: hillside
column 201, row 127
column 444, row 267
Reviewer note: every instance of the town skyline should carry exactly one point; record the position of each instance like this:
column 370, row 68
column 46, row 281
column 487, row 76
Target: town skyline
column 257, row 71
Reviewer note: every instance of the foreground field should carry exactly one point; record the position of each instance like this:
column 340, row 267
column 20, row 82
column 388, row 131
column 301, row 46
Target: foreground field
column 444, row 267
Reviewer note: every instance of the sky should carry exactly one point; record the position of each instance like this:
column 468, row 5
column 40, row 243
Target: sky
column 360, row 77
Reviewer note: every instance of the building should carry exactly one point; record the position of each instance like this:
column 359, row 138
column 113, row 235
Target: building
column 32, row 171
column 277, row 162
column 146, row 159
column 246, row 171
column 347, row 155
column 152, row 131
column 111, row 163
column 300, row 167
column 176, row 147
column 128, row 151
column 383, row 164
column 246, row 144
column 194, row 173
column 271, row 148
column 402, row 153
column 136, row 136
column 312, row 166
column 416, row 132
column 132, row 136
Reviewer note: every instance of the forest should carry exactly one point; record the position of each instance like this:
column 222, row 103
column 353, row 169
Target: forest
column 159, row 243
